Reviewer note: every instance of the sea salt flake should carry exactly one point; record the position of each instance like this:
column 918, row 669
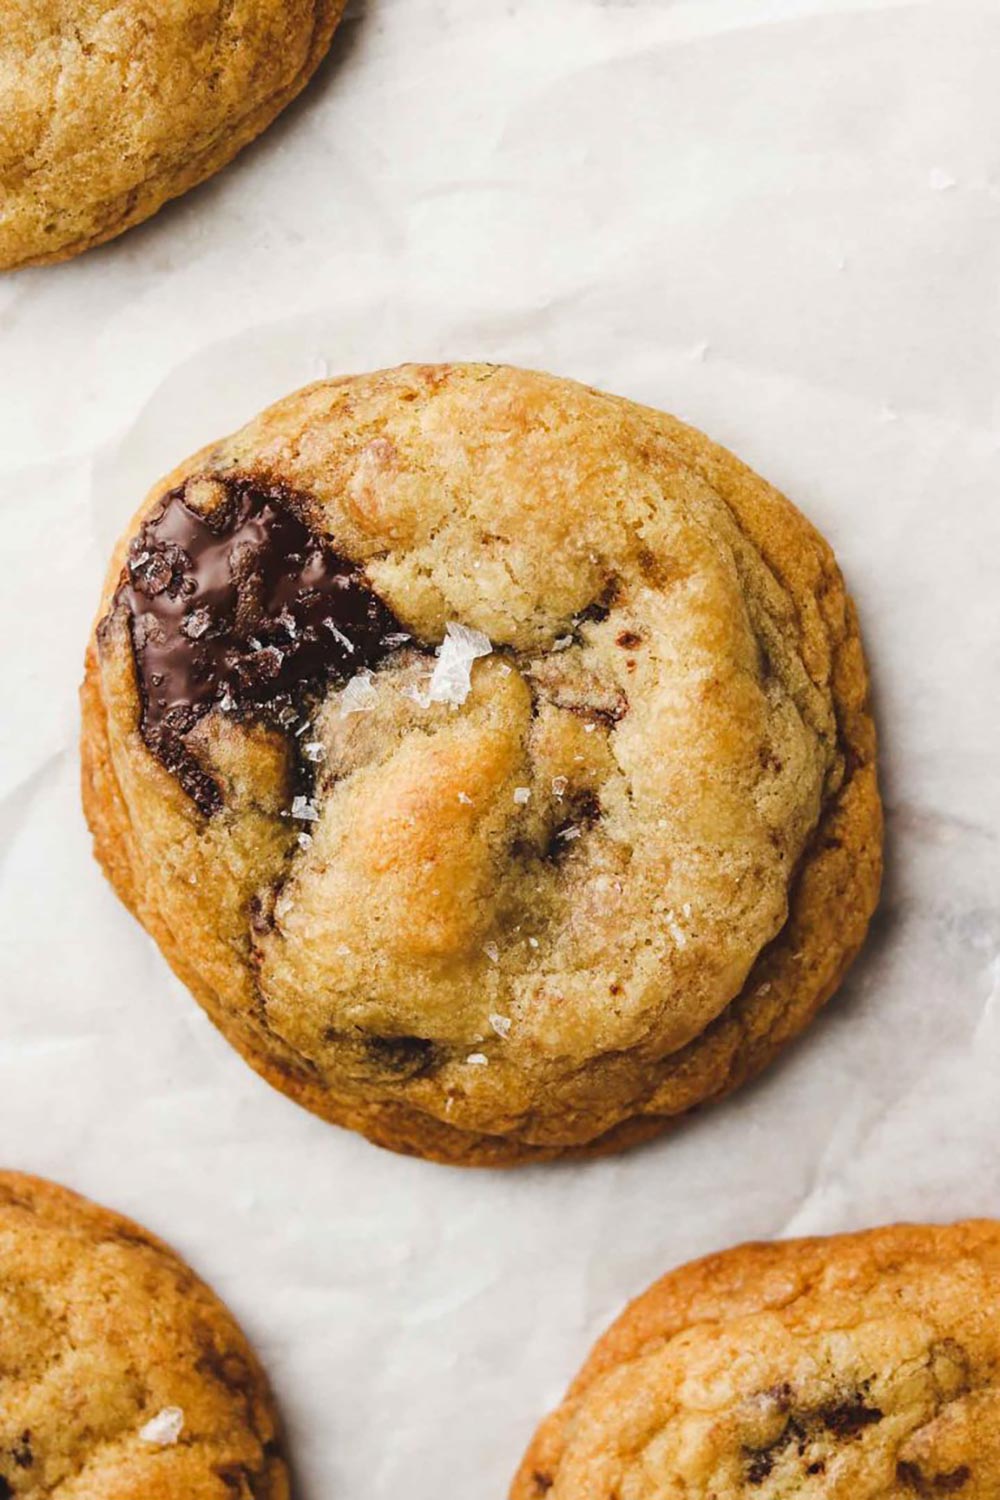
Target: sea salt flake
column 196, row 623
column 304, row 810
column 532, row 942
column 305, row 839
column 559, row 785
column 492, row 952
column 676, row 930
column 572, row 832
column 505, row 669
column 477, row 1059
column 451, row 680
column 464, row 797
column 339, row 635
column 522, row 795
column 416, row 694
column 314, row 750
column 501, row 1025
column 396, row 638
column 589, row 728
column 165, row 1428
column 359, row 696
column 562, row 642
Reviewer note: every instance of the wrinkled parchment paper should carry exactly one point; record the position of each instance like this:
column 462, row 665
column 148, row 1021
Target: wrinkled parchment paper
column 778, row 218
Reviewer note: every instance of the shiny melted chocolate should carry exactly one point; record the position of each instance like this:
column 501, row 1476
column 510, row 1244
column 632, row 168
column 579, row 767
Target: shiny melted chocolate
column 245, row 608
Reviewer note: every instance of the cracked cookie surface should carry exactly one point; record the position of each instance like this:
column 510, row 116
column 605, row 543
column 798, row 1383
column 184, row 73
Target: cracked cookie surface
column 122, row 1377
column 490, row 756
column 865, row 1366
column 111, row 107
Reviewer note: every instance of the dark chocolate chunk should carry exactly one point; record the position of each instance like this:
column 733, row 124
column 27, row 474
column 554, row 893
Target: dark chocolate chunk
column 243, row 607
column 848, row 1418
column 936, row 1484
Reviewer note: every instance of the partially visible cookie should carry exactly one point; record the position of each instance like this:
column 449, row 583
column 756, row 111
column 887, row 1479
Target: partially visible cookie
column 122, row 1377
column 110, row 107
column 864, row 1367
column 490, row 756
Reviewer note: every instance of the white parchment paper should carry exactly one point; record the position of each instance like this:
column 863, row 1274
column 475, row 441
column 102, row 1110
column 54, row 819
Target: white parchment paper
column 778, row 218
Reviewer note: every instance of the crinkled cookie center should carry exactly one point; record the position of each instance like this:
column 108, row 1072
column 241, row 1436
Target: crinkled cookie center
column 497, row 859
column 882, row 1407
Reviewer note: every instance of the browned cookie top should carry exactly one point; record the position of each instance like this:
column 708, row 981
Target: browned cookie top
column 121, row 1376
column 464, row 735
column 865, row 1367
column 110, row 107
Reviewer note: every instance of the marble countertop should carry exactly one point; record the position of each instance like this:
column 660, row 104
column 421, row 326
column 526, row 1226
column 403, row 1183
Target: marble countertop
column 778, row 218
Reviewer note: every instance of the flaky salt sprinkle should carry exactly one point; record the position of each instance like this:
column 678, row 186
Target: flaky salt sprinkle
column 501, row 1025
column 477, row 1059
column 532, row 942
column 465, row 798
column 339, row 636
column 492, row 952
column 522, row 795
column 359, row 696
column 313, row 750
column 559, row 785
column 165, row 1428
column 451, row 680
column 304, row 810
column 305, row 839
column 562, row 643
column 572, row 832
column 676, row 930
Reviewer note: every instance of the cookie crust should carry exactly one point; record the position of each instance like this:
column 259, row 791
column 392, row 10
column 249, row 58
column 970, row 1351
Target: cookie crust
column 862, row 1365
column 331, row 440
column 105, row 1331
column 109, row 114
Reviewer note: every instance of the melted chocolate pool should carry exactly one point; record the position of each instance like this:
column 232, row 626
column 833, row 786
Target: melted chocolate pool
column 244, row 607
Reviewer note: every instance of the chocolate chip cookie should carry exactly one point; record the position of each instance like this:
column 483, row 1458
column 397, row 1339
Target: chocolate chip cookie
column 122, row 1376
column 110, row 107
column 864, row 1366
column 490, row 756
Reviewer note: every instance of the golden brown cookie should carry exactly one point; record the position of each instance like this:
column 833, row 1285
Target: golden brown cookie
column 865, row 1367
column 111, row 107
column 121, row 1376
column 490, row 756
